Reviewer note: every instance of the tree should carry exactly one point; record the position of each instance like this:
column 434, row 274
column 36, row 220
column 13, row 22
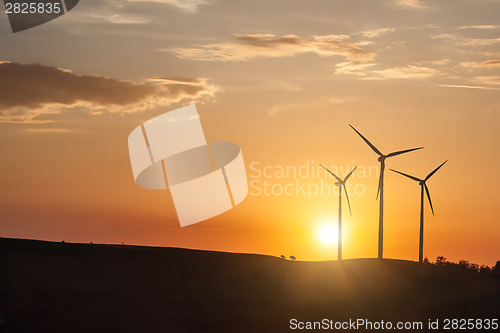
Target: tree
column 474, row 267
column 292, row 257
column 441, row 260
column 496, row 268
column 282, row 257
column 485, row 269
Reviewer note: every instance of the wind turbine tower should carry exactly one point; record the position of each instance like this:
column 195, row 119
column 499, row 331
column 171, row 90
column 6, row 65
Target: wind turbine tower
column 341, row 183
column 380, row 190
column 423, row 185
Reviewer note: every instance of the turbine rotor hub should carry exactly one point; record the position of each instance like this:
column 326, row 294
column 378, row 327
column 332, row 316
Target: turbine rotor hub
column 382, row 158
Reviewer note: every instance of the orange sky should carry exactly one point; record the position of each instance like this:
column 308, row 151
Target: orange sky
column 283, row 83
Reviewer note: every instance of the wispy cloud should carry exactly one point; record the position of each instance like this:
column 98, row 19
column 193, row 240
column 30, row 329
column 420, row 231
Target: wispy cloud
column 491, row 62
column 189, row 6
column 464, row 41
column 415, row 4
column 30, row 91
column 488, row 79
column 408, row 72
column 262, row 86
column 253, row 46
column 375, row 33
column 435, row 62
column 120, row 18
column 353, row 68
column 466, row 87
column 48, row 130
column 485, row 64
column 482, row 27
column 365, row 71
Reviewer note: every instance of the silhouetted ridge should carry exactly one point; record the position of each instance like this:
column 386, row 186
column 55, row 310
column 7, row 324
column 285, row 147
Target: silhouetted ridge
column 65, row 287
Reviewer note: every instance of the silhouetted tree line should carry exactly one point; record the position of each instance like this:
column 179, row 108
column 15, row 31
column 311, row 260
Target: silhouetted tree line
column 467, row 265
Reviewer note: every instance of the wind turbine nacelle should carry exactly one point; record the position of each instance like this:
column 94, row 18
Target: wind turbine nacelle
column 338, row 184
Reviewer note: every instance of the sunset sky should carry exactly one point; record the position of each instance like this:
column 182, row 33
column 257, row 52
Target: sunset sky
column 283, row 80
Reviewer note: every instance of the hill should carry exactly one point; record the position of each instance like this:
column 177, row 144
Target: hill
column 65, row 287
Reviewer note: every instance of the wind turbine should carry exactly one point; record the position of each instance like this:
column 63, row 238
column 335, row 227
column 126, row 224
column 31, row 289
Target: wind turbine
column 422, row 183
column 341, row 183
column 380, row 190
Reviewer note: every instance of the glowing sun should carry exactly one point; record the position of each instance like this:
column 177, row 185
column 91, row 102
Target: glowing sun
column 328, row 234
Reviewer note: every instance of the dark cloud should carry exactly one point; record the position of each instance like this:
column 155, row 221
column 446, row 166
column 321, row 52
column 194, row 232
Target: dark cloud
column 28, row 91
column 34, row 85
column 491, row 63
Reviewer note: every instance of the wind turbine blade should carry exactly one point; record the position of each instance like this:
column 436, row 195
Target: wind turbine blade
column 404, row 174
column 433, row 172
column 331, row 173
column 368, row 142
column 348, row 203
column 382, row 167
column 403, row 151
column 429, row 197
column 349, row 175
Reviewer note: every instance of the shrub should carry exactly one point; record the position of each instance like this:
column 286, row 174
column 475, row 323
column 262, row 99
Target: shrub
column 441, row 260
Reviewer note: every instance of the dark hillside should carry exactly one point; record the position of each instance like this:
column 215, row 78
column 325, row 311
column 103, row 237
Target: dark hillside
column 64, row 287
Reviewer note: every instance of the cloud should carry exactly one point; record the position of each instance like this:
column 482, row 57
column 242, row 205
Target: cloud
column 34, row 85
column 377, row 32
column 132, row 12
column 487, row 27
column 30, row 91
column 463, row 41
column 492, row 62
column 435, row 62
column 119, row 18
column 48, row 130
column 189, row 6
column 488, row 79
column 408, row 72
column 415, row 4
column 352, row 68
column 485, row 64
column 252, row 46
column 261, row 86
column 364, row 71
column 466, row 87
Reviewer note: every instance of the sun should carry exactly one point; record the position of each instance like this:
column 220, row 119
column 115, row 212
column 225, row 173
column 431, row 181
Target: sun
column 328, row 234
